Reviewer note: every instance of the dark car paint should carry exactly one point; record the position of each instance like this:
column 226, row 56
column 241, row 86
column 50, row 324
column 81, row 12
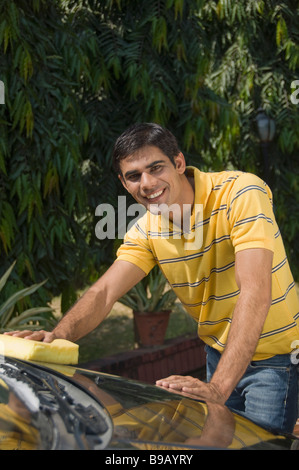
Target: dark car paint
column 68, row 408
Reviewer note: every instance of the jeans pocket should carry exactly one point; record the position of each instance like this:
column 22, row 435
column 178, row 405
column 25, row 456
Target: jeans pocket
column 256, row 366
column 272, row 392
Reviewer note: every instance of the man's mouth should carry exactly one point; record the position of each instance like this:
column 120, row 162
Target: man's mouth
column 155, row 195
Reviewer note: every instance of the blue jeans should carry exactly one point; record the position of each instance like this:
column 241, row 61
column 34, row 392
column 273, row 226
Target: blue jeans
column 267, row 394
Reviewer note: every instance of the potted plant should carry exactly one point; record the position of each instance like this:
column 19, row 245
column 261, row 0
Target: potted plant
column 151, row 303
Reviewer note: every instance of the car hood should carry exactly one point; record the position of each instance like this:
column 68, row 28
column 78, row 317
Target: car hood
column 44, row 406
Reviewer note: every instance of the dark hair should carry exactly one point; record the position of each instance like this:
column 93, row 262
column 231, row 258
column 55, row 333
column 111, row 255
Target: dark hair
column 141, row 135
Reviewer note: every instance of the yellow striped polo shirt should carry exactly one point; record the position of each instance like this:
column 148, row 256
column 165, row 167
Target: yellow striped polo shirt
column 232, row 211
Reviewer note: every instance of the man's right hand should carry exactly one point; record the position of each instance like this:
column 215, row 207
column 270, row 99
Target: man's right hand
column 40, row 335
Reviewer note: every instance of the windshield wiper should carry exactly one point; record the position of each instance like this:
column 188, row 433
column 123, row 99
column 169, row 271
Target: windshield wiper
column 75, row 415
column 81, row 421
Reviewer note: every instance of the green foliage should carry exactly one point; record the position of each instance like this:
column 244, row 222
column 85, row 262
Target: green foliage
column 203, row 69
column 45, row 65
column 254, row 60
column 77, row 73
column 150, row 294
column 10, row 316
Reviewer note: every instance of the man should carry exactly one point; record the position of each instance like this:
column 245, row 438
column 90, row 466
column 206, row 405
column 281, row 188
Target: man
column 215, row 238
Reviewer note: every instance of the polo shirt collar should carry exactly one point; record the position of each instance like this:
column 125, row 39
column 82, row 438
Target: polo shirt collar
column 202, row 184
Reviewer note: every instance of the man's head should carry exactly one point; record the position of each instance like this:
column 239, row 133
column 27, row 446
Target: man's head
column 143, row 135
column 152, row 168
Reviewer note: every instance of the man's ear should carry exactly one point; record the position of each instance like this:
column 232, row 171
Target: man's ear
column 121, row 178
column 180, row 163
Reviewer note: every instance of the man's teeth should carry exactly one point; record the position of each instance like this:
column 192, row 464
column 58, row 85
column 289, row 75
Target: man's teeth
column 152, row 196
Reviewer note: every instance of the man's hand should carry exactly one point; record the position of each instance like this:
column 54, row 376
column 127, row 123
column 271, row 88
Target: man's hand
column 41, row 335
column 192, row 387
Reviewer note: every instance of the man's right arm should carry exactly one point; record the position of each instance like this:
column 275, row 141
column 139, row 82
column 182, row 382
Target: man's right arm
column 93, row 307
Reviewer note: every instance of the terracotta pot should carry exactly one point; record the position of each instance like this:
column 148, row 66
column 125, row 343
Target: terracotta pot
column 150, row 327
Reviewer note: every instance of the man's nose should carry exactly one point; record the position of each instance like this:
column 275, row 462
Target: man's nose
column 147, row 181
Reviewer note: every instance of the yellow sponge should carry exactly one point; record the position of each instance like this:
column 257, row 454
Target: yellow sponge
column 60, row 351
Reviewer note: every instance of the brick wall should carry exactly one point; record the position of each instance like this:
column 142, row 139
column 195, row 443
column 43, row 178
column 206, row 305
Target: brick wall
column 181, row 355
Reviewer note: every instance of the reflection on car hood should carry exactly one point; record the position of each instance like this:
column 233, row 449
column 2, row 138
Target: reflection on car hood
column 59, row 407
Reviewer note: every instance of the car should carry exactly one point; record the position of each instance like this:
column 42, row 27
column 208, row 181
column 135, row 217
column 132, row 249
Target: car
column 60, row 407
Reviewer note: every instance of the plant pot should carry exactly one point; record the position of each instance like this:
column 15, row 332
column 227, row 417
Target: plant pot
column 150, row 327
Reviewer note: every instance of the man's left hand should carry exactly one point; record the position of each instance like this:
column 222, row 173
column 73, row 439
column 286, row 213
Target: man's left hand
column 192, row 387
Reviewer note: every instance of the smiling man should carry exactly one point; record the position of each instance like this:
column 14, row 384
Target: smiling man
column 235, row 280
column 152, row 179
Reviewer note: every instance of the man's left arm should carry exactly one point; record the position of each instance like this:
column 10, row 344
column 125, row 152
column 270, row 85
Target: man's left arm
column 253, row 268
column 254, row 279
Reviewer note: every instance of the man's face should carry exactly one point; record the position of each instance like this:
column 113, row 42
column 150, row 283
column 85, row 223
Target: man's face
column 152, row 179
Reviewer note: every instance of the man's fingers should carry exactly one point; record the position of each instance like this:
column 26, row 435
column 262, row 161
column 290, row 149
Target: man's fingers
column 40, row 335
column 49, row 337
column 18, row 333
column 36, row 335
column 177, row 382
column 172, row 381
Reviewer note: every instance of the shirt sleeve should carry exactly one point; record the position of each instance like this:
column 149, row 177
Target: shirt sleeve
column 136, row 248
column 250, row 214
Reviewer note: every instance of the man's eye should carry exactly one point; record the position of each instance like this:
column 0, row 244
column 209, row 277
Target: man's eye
column 133, row 177
column 156, row 167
